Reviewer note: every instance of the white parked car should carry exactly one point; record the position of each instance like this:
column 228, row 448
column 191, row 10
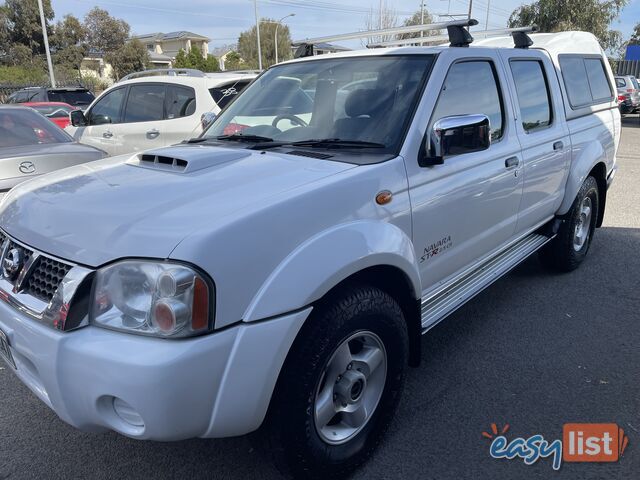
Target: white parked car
column 282, row 275
column 155, row 108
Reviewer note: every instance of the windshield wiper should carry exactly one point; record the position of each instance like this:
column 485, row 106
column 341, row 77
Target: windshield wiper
column 238, row 137
column 320, row 143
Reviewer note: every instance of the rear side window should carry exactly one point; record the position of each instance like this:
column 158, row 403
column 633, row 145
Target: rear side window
column 634, row 80
column 620, row 82
column 145, row 103
column 180, row 101
column 223, row 94
column 458, row 97
column 533, row 93
column 585, row 80
column 600, row 89
column 72, row 97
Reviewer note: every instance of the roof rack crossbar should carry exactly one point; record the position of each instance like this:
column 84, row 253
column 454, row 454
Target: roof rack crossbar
column 455, row 24
column 441, row 38
column 171, row 72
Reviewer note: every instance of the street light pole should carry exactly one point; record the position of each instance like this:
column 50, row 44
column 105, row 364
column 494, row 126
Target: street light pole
column 276, row 37
column 486, row 22
column 255, row 7
column 46, row 44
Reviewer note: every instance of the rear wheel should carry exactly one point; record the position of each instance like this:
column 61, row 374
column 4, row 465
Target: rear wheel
column 340, row 385
column 567, row 251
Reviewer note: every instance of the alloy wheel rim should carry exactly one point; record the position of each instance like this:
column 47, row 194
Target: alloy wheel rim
column 350, row 387
column 583, row 226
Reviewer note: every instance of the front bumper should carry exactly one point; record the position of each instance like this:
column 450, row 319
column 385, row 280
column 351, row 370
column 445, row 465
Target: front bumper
column 217, row 385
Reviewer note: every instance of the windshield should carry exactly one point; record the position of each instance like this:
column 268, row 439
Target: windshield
column 22, row 126
column 635, row 83
column 363, row 99
column 72, row 97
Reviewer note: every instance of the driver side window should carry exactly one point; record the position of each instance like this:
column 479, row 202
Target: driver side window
column 472, row 87
column 108, row 109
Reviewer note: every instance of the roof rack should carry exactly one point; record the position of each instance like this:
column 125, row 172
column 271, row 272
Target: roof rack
column 171, row 72
column 517, row 33
column 458, row 35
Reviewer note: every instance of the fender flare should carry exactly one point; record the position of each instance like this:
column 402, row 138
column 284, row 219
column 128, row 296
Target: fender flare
column 579, row 171
column 328, row 258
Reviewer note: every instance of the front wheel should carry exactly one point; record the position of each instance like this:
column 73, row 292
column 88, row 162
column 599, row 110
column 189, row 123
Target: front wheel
column 567, row 251
column 340, row 385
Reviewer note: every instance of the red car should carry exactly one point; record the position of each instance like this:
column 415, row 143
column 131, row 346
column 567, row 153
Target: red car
column 57, row 112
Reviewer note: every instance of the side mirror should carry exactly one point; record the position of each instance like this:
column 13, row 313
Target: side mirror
column 78, row 119
column 207, row 119
column 455, row 135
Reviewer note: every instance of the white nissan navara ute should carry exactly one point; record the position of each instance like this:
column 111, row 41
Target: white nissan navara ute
column 278, row 278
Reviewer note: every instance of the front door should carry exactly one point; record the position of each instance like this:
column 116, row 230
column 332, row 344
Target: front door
column 467, row 207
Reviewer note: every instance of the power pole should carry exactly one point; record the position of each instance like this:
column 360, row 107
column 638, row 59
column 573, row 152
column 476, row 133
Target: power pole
column 380, row 17
column 486, row 22
column 255, row 6
column 46, row 44
column 422, row 17
column 470, row 7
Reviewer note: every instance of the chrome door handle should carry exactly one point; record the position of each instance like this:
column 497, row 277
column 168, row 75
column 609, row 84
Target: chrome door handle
column 153, row 133
column 107, row 134
column 512, row 162
column 558, row 146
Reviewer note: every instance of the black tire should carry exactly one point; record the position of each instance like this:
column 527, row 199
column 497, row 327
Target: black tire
column 560, row 254
column 290, row 429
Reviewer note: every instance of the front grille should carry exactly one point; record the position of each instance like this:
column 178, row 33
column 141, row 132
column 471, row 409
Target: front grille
column 45, row 278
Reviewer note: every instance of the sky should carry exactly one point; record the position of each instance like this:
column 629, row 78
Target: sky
column 223, row 20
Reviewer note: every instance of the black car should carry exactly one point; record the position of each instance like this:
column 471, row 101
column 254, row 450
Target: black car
column 78, row 97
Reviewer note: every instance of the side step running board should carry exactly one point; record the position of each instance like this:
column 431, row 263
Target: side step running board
column 450, row 297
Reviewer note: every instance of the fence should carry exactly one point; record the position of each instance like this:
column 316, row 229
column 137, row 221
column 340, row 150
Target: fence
column 629, row 67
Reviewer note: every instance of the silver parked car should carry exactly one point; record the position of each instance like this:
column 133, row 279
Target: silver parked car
column 31, row 145
column 628, row 86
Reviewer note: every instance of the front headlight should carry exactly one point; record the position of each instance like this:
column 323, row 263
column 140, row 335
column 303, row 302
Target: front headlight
column 161, row 299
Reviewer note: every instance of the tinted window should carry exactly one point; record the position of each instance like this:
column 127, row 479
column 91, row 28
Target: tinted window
column 600, row 89
column 145, row 103
column 575, row 80
column 620, row 82
column 76, row 98
column 533, row 93
column 181, row 101
column 109, row 105
column 585, row 79
column 225, row 93
column 460, row 97
column 22, row 126
column 634, row 80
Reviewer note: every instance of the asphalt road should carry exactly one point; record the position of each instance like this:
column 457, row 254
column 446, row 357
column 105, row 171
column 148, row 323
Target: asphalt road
column 536, row 350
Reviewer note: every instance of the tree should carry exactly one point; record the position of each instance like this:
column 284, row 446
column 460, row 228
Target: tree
column 105, row 34
column 23, row 21
column 130, row 57
column 418, row 19
column 69, row 40
column 385, row 17
column 195, row 59
column 635, row 36
column 233, row 61
column 248, row 44
column 593, row 16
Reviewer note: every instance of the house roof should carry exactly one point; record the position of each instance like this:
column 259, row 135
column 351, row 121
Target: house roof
column 331, row 47
column 161, row 37
column 159, row 57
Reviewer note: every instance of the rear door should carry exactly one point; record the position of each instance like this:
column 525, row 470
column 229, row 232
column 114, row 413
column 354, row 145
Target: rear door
column 143, row 118
column 543, row 134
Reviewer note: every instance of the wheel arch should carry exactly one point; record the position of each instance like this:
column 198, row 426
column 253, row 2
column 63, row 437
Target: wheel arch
column 599, row 172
